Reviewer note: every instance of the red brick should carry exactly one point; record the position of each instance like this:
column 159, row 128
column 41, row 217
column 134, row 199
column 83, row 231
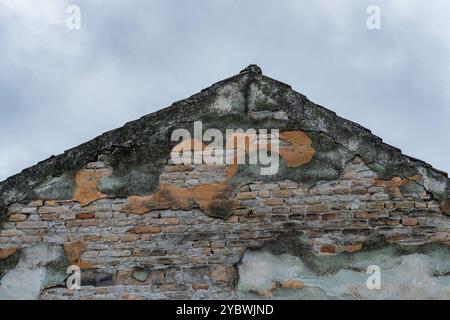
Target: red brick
column 141, row 230
column 408, row 221
column 85, row 216
column 328, row 249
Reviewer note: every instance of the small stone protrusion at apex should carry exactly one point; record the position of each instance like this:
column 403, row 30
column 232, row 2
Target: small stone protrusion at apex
column 253, row 68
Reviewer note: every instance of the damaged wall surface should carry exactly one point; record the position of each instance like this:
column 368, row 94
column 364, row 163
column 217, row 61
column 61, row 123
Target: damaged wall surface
column 140, row 226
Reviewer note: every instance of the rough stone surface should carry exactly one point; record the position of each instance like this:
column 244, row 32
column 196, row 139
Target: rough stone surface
column 141, row 227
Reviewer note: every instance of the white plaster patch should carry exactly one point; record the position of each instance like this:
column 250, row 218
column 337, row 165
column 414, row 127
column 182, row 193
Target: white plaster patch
column 431, row 184
column 413, row 276
column 25, row 281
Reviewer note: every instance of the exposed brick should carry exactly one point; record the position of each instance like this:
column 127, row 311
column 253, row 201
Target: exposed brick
column 361, row 214
column 36, row 203
column 404, row 205
column 6, row 252
column 264, row 193
column 233, row 219
column 51, row 210
column 273, row 202
column 318, row 208
column 11, row 233
column 248, row 235
column 17, row 217
column 32, row 225
column 140, row 230
column 200, row 286
column 92, row 238
column 375, row 205
column 284, row 193
column 110, row 238
column 85, row 215
column 73, row 224
column 246, row 195
column 222, row 273
column 50, row 217
column 329, row 216
column 170, row 221
column 129, row 237
column 445, row 206
column 408, row 221
column 420, row 205
column 328, row 249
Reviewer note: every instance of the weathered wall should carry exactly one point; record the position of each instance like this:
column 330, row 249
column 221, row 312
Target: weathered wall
column 140, row 226
column 142, row 247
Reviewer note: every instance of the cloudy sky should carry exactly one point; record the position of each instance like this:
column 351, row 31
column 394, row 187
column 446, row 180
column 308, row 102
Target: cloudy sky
column 61, row 87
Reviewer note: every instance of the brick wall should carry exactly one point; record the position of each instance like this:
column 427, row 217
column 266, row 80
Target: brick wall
column 172, row 249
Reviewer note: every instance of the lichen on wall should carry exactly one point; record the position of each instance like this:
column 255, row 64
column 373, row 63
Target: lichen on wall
column 143, row 227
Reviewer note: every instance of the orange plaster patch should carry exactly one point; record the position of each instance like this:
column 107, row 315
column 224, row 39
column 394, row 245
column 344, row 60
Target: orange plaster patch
column 6, row 252
column 73, row 251
column 87, row 185
column 209, row 197
column 214, row 199
column 289, row 284
column 299, row 152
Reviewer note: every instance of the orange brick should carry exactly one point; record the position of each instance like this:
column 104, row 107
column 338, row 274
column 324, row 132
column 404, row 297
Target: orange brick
column 353, row 247
column 36, row 203
column 408, row 221
column 17, row 217
column 6, row 252
column 170, row 221
column 282, row 193
column 200, row 286
column 141, row 230
column 85, row 216
column 50, row 217
column 328, row 249
column 273, row 202
column 92, row 238
column 246, row 195
column 329, row 216
column 233, row 219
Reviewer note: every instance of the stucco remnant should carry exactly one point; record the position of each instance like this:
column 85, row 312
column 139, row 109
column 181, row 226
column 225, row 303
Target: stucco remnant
column 87, row 185
column 298, row 151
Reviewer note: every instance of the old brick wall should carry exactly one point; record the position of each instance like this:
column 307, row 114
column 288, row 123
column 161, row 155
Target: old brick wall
column 141, row 227
column 127, row 251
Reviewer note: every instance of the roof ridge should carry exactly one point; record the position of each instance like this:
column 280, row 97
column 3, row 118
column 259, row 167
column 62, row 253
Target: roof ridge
column 184, row 111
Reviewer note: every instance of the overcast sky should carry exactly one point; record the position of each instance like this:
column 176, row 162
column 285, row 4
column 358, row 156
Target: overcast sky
column 61, row 87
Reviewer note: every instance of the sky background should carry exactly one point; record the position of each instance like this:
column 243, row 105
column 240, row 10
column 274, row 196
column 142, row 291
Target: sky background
column 60, row 87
